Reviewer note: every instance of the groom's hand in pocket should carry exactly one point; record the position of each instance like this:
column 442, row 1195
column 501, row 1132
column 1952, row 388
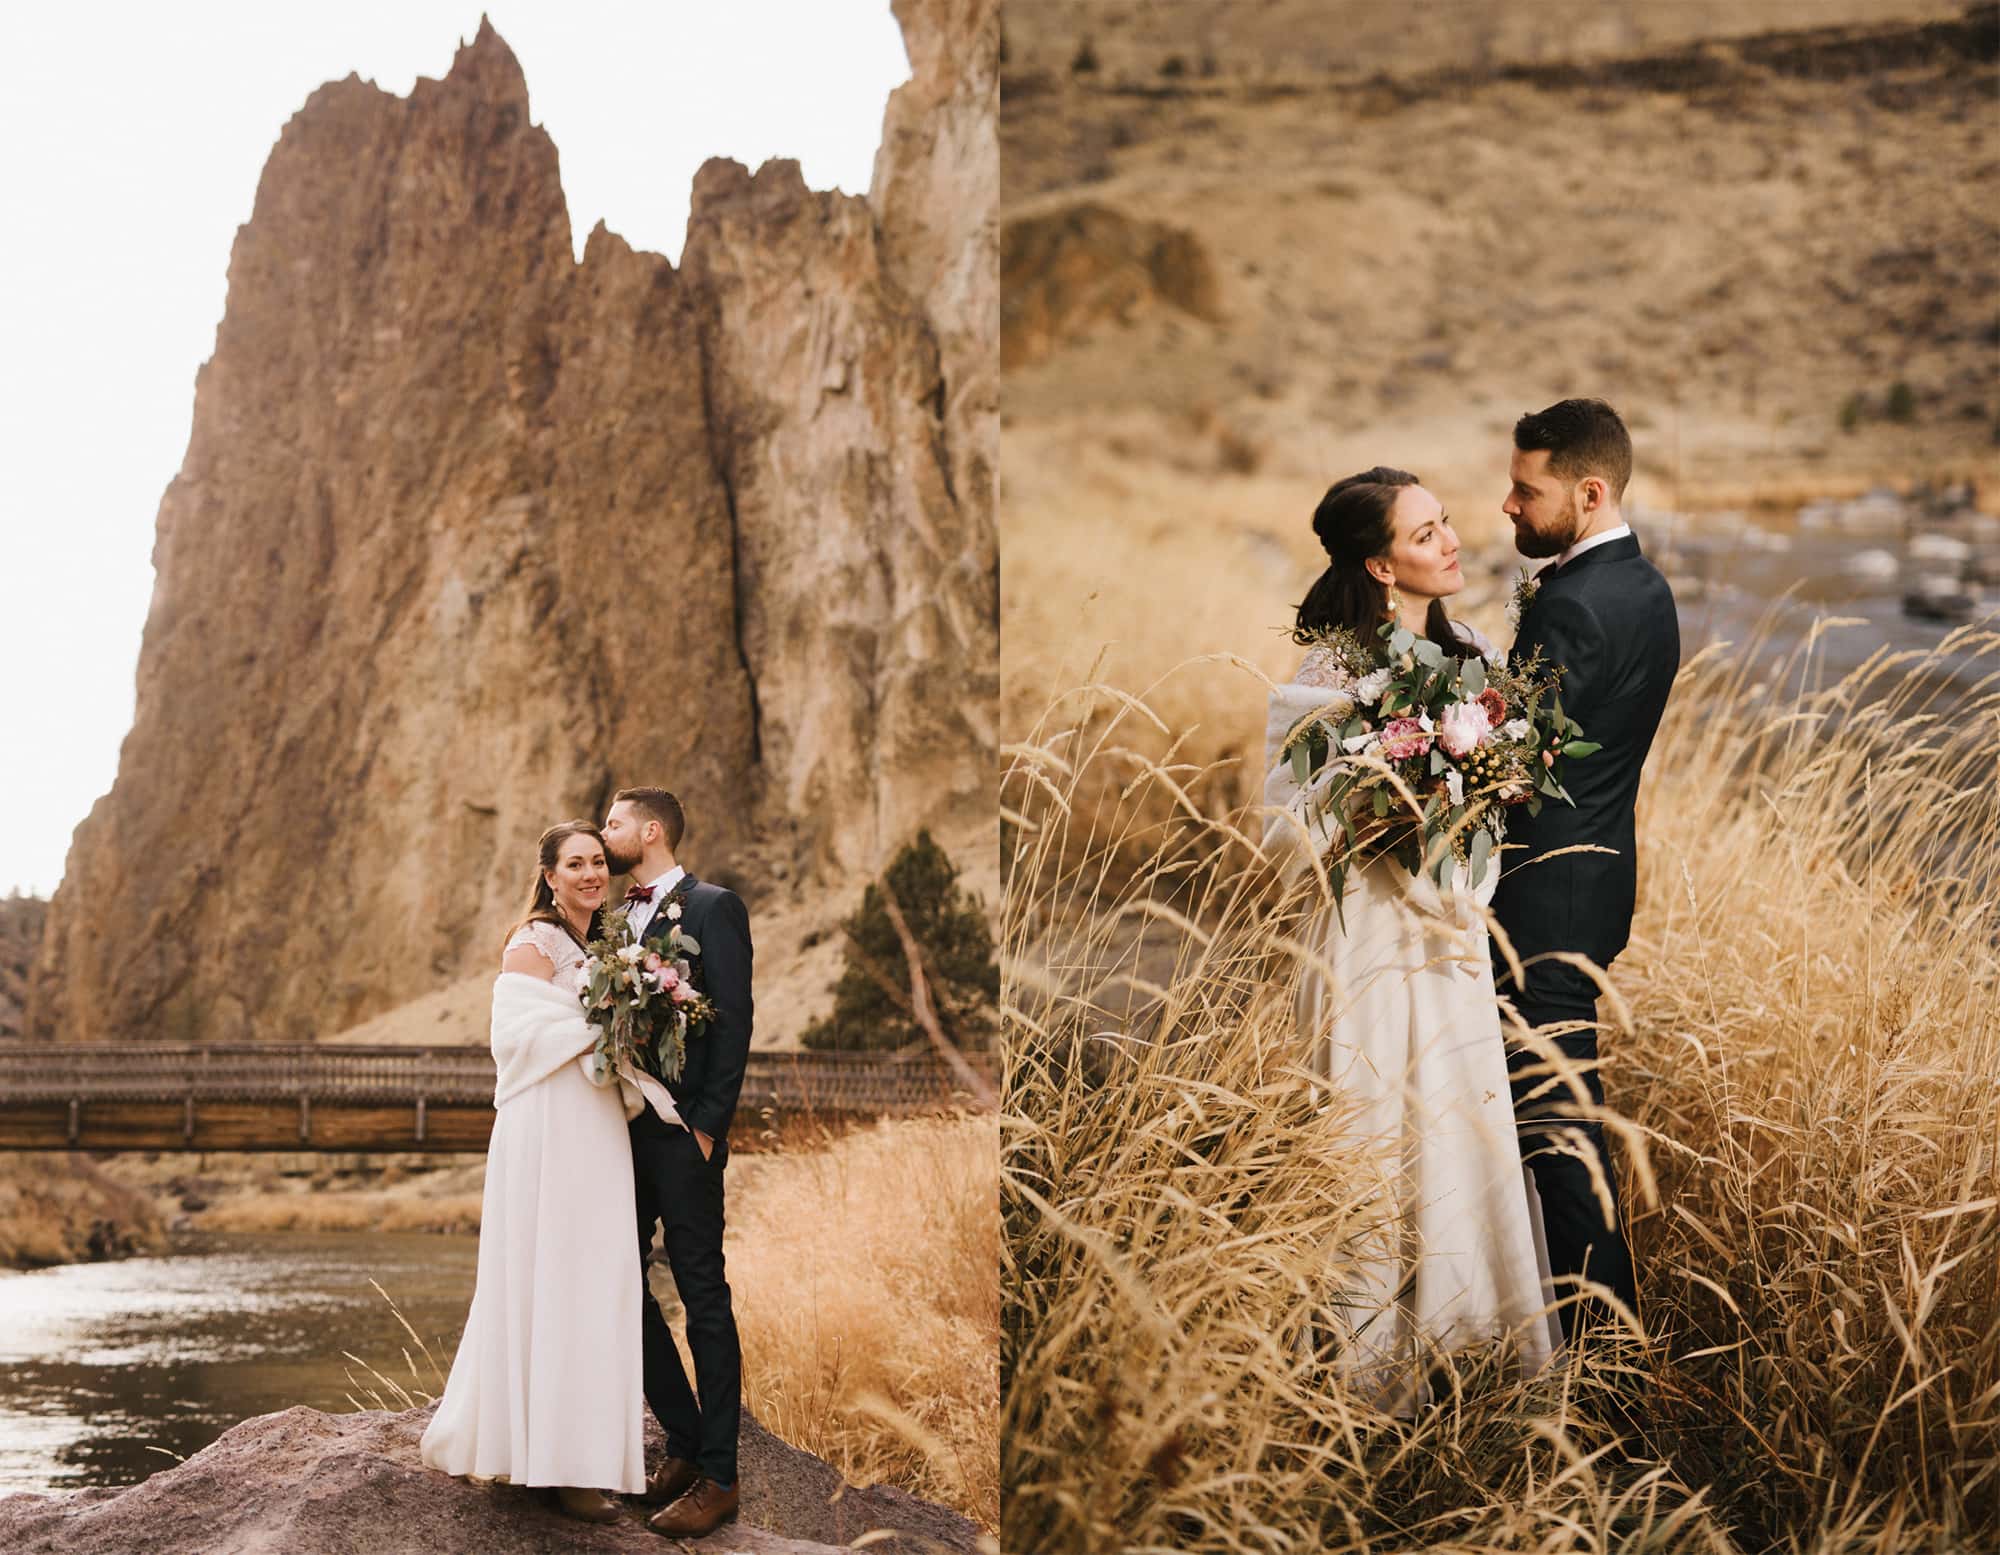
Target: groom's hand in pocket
column 707, row 1144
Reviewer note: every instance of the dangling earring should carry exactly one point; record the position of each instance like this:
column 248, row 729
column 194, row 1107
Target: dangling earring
column 1395, row 603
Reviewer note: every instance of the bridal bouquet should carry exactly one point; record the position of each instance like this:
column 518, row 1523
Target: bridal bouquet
column 642, row 997
column 1419, row 755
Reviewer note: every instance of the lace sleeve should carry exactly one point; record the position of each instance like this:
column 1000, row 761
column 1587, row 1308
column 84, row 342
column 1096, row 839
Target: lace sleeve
column 1317, row 669
column 547, row 941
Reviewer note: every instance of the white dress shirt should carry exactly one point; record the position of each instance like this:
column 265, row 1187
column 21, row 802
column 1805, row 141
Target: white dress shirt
column 641, row 915
column 1615, row 532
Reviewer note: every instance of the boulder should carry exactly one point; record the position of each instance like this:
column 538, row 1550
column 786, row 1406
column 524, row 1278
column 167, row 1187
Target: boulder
column 307, row 1483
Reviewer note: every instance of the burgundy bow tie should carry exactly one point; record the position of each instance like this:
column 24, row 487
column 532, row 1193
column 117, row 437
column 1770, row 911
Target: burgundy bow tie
column 639, row 893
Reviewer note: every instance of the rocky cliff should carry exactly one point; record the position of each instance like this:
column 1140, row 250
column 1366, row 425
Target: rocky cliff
column 309, row 1483
column 468, row 534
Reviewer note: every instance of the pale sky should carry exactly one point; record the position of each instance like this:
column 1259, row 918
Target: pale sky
column 133, row 136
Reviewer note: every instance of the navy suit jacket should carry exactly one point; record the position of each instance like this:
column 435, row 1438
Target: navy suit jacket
column 1608, row 620
column 712, row 1078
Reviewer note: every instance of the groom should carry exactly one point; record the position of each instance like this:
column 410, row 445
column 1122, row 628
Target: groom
column 1603, row 615
column 677, row 1172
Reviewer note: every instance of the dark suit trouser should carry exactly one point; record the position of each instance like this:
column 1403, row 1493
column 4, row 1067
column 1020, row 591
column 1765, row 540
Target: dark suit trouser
column 683, row 1192
column 1581, row 1242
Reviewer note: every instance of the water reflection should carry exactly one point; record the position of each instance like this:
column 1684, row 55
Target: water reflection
column 108, row 1371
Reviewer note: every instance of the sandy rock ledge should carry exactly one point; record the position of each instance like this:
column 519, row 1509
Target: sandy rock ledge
column 307, row 1483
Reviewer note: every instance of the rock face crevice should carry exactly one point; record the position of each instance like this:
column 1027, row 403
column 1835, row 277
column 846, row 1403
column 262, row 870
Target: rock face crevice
column 470, row 532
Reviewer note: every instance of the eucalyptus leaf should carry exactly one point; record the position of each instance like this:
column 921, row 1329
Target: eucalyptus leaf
column 1580, row 748
column 1472, row 676
column 1438, row 762
column 1301, row 764
column 1481, row 850
column 1427, row 653
column 1401, row 640
column 1381, row 802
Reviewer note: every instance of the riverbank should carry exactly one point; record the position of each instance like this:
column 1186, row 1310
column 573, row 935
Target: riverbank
column 302, row 1481
column 862, row 1262
column 60, row 1207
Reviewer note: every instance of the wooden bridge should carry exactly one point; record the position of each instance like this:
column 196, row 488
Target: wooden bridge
column 269, row 1096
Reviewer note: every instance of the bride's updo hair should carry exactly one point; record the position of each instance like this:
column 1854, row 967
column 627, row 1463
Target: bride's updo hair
column 1355, row 521
column 541, row 900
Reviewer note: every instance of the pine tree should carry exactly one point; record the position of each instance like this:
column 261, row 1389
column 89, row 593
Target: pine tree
column 871, row 998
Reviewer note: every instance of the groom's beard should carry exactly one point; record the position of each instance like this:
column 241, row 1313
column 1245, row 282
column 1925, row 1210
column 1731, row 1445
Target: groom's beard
column 620, row 863
column 1538, row 543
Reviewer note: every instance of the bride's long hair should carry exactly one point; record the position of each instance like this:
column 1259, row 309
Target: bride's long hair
column 541, row 900
column 1354, row 522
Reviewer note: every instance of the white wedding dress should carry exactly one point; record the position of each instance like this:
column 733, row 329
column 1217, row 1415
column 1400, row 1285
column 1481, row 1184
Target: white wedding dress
column 547, row 1385
column 1402, row 1022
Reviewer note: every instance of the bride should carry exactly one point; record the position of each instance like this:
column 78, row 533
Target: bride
column 1397, row 1009
column 547, row 1385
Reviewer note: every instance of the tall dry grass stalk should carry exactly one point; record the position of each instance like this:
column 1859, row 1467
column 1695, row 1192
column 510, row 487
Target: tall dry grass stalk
column 1807, row 1046
column 864, row 1278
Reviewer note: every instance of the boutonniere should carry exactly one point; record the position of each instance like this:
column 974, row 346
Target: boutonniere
column 1526, row 587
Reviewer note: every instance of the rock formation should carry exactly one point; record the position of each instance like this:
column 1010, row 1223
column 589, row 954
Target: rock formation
column 469, row 533
column 22, row 919
column 1079, row 265
column 309, row 1483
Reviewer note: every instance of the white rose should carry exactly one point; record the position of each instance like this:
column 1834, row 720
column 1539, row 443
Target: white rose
column 1369, row 688
column 673, row 912
column 630, row 953
column 1361, row 743
column 1516, row 729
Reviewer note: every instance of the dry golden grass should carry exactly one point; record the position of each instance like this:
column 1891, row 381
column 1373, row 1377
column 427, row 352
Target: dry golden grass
column 57, row 1207
column 1805, row 1045
column 356, row 1210
column 868, row 1302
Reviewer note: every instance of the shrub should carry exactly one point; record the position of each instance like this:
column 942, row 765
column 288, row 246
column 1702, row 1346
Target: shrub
column 1902, row 405
column 871, row 999
column 1085, row 60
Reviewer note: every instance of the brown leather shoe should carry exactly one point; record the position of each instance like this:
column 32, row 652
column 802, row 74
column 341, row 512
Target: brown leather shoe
column 675, row 1476
column 702, row 1508
column 587, row 1506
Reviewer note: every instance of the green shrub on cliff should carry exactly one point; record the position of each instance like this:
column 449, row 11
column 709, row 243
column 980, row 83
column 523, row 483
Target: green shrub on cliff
column 871, row 1000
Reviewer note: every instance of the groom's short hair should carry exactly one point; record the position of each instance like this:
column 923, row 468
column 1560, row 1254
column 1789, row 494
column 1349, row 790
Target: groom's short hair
column 1583, row 437
column 661, row 806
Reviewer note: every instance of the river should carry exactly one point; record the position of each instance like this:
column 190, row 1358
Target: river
column 1860, row 561
column 110, row 1371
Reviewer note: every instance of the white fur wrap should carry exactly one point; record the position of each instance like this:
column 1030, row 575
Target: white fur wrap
column 538, row 1027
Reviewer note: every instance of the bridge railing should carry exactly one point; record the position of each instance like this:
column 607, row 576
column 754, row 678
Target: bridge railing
column 788, row 1081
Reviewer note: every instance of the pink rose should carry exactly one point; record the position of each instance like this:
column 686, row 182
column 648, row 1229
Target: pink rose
column 1463, row 726
column 1403, row 738
column 654, row 962
column 682, row 993
column 670, row 978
